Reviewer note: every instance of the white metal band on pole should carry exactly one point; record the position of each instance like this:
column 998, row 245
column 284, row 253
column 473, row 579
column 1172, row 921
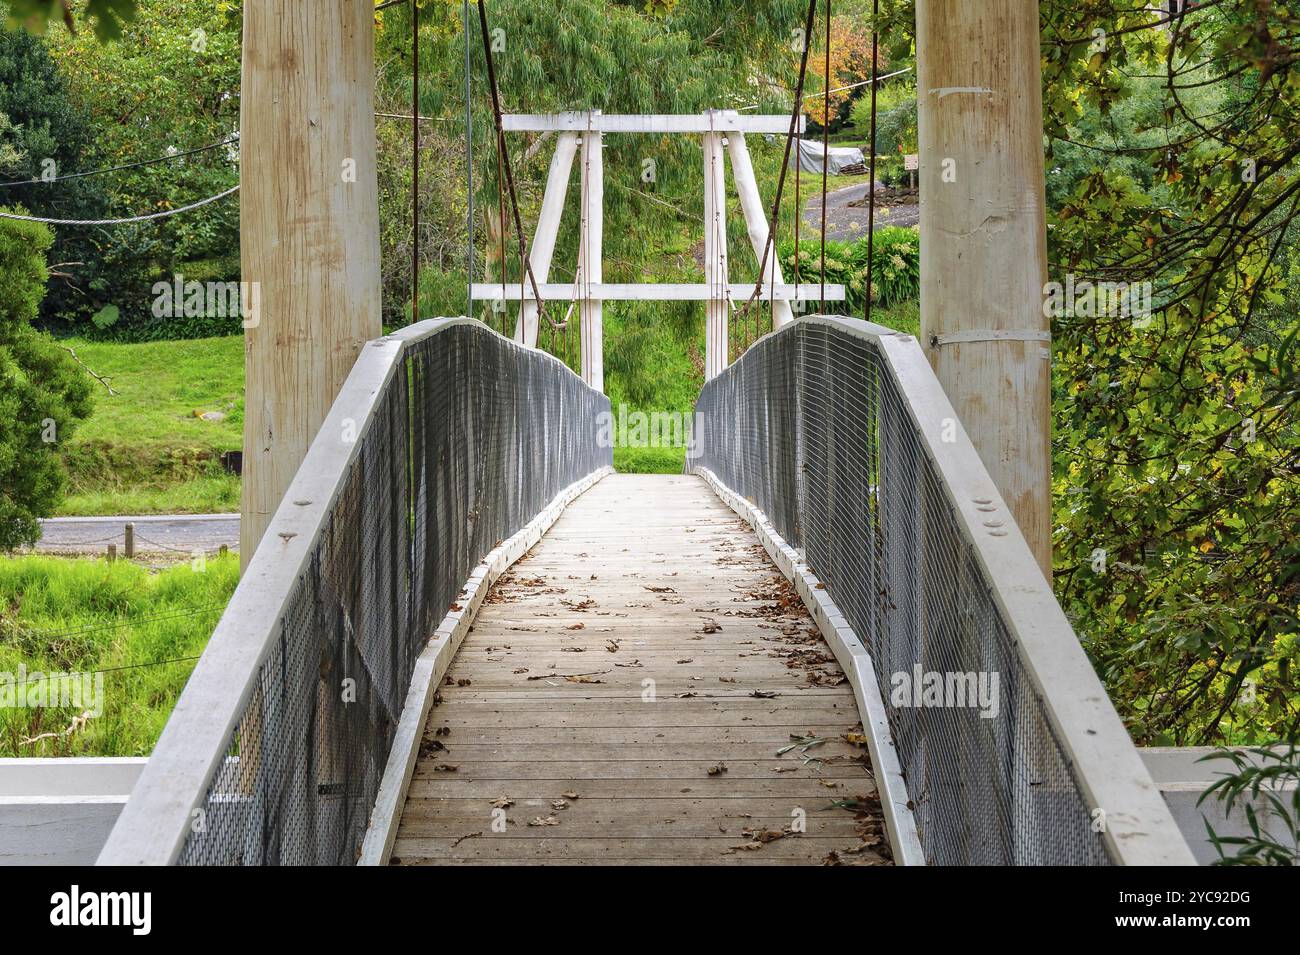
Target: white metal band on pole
column 991, row 335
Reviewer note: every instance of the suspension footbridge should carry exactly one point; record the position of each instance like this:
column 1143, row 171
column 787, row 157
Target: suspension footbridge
column 462, row 640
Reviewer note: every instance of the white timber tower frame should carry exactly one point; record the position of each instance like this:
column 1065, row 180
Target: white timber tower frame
column 580, row 135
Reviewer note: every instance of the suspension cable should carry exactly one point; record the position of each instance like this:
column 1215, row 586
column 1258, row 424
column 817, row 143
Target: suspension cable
column 871, row 175
column 415, row 162
column 144, row 218
column 501, row 148
column 785, row 164
column 130, row 165
column 826, row 145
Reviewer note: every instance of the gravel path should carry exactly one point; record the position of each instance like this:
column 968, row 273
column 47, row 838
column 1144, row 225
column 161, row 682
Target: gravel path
column 844, row 221
column 167, row 534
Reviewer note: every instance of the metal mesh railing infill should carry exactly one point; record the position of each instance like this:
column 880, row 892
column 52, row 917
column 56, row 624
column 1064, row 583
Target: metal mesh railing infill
column 469, row 437
column 812, row 427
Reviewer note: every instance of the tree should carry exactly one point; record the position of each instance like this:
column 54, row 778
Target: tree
column 1177, row 448
column 50, row 137
column 105, row 16
column 168, row 85
column 850, row 64
column 43, row 394
column 1174, row 166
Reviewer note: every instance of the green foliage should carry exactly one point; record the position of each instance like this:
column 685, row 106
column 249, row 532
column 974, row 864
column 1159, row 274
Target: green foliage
column 649, row 460
column 207, row 491
column 142, row 628
column 1267, row 777
column 1175, row 446
column 170, row 84
column 145, row 449
column 1174, row 439
column 107, row 17
column 896, row 266
column 42, row 392
column 48, row 134
column 896, row 128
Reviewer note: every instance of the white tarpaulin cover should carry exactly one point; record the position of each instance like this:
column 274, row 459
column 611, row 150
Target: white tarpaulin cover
column 810, row 156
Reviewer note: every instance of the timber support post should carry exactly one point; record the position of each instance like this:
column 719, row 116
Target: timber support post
column 309, row 230
column 984, row 241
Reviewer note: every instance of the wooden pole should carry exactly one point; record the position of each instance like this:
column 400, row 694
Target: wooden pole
column 751, row 204
column 716, row 355
column 309, row 229
column 591, row 312
column 548, row 227
column 984, row 241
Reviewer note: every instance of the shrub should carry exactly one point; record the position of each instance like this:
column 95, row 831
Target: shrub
column 897, row 266
column 42, row 392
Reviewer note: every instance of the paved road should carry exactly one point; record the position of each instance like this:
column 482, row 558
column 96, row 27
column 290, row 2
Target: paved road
column 844, row 221
column 175, row 534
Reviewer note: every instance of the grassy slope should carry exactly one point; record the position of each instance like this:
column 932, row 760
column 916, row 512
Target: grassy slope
column 63, row 615
column 143, row 450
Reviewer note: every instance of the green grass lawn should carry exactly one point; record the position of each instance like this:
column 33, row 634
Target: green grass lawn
column 144, row 450
column 140, row 629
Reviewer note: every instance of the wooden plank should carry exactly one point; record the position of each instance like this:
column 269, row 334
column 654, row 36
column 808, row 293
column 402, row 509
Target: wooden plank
column 660, row 823
column 608, row 808
column 809, row 850
column 545, row 737
column 463, row 753
column 640, row 766
column 632, row 792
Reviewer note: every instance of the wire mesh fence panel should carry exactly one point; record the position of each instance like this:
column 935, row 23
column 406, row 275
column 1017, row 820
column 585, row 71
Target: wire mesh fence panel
column 813, row 428
column 471, row 438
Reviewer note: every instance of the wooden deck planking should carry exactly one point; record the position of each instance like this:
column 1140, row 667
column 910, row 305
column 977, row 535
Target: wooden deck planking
column 548, row 696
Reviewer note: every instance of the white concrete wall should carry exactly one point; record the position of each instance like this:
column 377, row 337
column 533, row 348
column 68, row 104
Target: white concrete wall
column 1181, row 779
column 60, row 811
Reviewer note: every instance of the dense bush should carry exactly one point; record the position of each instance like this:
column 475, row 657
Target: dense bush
column 897, row 266
column 42, row 392
column 70, row 104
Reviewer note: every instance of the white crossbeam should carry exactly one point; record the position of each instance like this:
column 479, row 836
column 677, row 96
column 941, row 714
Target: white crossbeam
column 720, row 122
column 738, row 292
